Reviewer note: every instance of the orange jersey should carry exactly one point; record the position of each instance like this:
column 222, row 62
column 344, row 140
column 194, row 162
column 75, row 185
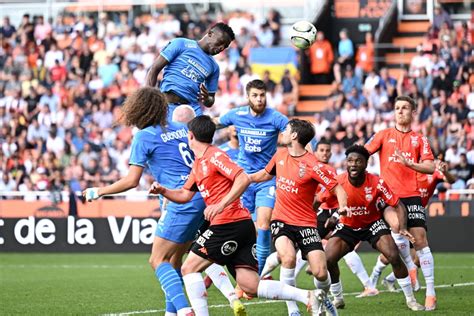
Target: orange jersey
column 414, row 147
column 362, row 200
column 296, row 181
column 332, row 203
column 427, row 184
column 213, row 175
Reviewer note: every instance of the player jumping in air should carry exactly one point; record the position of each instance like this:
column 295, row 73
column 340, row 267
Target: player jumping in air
column 190, row 72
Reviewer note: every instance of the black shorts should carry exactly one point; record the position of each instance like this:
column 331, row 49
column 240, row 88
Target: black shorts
column 232, row 244
column 323, row 215
column 352, row 237
column 416, row 214
column 305, row 238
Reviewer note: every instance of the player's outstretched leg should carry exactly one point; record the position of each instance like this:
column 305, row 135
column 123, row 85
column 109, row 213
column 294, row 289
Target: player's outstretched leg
column 166, row 274
column 387, row 247
column 221, row 280
column 354, row 262
column 270, row 264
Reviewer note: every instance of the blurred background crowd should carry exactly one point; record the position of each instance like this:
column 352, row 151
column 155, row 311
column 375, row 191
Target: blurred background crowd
column 62, row 83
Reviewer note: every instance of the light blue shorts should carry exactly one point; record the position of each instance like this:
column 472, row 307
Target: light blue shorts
column 258, row 195
column 179, row 223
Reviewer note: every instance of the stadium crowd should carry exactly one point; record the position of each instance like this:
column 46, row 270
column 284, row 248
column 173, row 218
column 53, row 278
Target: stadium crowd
column 62, row 84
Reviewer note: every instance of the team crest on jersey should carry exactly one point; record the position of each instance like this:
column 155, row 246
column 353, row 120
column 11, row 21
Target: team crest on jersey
column 302, row 170
column 204, row 167
column 414, row 141
column 368, row 194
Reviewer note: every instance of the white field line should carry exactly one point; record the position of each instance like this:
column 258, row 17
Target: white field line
column 150, row 311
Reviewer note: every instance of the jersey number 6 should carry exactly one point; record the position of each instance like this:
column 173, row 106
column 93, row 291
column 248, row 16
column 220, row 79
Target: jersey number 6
column 186, row 154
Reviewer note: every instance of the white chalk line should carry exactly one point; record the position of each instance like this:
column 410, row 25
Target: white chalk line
column 150, row 311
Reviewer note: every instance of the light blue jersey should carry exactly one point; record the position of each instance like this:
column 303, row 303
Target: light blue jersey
column 232, row 152
column 166, row 153
column 188, row 67
column 258, row 135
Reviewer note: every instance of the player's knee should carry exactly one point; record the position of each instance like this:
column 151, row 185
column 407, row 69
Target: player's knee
column 262, row 224
column 186, row 268
column 288, row 261
column 394, row 258
column 320, row 273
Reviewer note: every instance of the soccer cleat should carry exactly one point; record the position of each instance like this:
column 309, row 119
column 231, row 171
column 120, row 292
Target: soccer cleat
column 415, row 306
column 238, row 308
column 339, row 303
column 207, row 282
column 295, row 313
column 368, row 292
column 389, row 285
column 314, row 305
column 414, row 279
column 430, row 303
column 329, row 306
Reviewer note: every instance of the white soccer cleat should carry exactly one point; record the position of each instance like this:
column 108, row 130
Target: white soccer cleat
column 389, row 285
column 315, row 306
column 330, row 308
column 339, row 303
column 415, row 306
column 368, row 292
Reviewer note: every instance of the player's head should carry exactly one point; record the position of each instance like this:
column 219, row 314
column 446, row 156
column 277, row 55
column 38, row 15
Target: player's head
column 256, row 95
column 201, row 129
column 297, row 130
column 357, row 157
column 323, row 151
column 183, row 114
column 218, row 38
column 145, row 107
column 405, row 108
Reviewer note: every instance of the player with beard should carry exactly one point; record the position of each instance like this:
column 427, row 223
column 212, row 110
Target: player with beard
column 258, row 129
column 403, row 155
column 364, row 222
column 191, row 74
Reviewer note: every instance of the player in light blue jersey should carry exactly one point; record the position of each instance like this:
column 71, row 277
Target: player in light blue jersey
column 231, row 147
column 190, row 72
column 163, row 147
column 258, row 129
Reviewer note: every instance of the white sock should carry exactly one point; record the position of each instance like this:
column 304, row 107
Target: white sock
column 357, row 267
column 271, row 263
column 323, row 285
column 404, row 248
column 377, row 271
column 391, row 277
column 221, row 280
column 336, row 289
column 300, row 263
column 170, row 314
column 197, row 293
column 287, row 276
column 276, row 290
column 405, row 285
column 427, row 267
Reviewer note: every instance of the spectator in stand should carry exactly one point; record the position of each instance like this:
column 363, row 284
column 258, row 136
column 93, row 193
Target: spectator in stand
column 265, row 36
column 365, row 58
column 7, row 30
column 424, row 82
column 440, row 16
column 350, row 81
column 321, row 58
column 345, row 53
column 274, row 21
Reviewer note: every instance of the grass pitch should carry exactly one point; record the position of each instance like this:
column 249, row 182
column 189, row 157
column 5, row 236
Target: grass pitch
column 97, row 284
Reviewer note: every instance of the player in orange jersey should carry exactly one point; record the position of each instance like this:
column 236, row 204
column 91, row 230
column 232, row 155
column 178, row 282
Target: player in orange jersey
column 230, row 238
column 298, row 173
column 364, row 222
column 403, row 154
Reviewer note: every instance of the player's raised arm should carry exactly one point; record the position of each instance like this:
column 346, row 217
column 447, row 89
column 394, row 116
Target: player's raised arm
column 341, row 195
column 448, row 177
column 155, row 69
column 130, row 181
column 180, row 196
column 205, row 97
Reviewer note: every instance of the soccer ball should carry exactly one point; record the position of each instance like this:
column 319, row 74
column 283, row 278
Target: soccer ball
column 302, row 34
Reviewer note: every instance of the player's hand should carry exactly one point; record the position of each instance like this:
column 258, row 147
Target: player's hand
column 90, row 194
column 407, row 234
column 402, row 158
column 203, row 94
column 212, row 210
column 346, row 211
column 156, row 188
column 331, row 222
column 443, row 167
